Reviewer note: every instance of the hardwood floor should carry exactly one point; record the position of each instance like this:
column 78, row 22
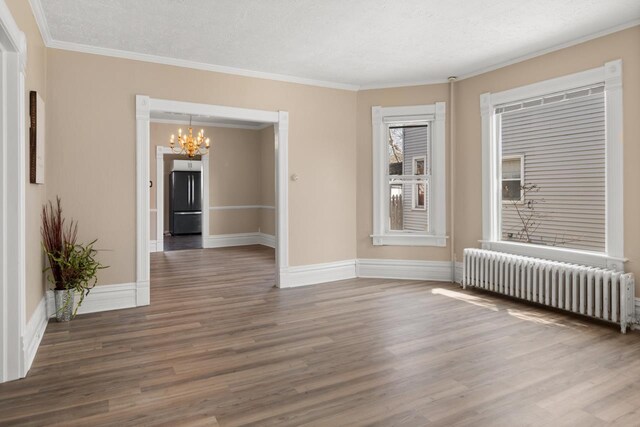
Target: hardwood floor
column 220, row 346
column 178, row 243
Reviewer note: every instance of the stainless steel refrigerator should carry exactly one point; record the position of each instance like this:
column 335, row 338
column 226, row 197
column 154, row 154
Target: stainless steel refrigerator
column 185, row 203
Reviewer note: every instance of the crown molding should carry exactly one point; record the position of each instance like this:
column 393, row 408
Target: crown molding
column 156, row 59
column 49, row 42
column 41, row 20
column 561, row 46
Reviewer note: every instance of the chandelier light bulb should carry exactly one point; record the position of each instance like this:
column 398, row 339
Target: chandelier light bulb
column 189, row 144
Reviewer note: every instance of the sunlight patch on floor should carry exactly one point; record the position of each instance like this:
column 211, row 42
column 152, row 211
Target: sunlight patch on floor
column 466, row 297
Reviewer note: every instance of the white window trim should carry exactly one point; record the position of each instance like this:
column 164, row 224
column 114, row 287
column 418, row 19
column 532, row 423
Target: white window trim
column 613, row 257
column 521, row 158
column 434, row 113
column 414, row 186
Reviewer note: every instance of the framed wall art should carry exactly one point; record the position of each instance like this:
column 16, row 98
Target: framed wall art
column 36, row 138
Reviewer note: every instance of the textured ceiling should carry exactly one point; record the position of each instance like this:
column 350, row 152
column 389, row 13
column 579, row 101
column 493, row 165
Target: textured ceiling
column 355, row 42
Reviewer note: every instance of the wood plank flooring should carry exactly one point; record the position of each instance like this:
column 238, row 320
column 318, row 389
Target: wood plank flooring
column 179, row 243
column 220, row 346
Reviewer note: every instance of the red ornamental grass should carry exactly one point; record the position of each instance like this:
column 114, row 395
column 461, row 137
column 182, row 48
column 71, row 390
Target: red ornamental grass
column 58, row 238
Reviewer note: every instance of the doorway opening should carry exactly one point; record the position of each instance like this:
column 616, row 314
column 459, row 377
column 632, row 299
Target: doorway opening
column 243, row 185
column 176, row 197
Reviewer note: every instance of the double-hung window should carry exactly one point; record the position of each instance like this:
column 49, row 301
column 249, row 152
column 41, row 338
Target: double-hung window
column 552, row 184
column 409, row 175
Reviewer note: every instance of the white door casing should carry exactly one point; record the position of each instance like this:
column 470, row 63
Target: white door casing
column 13, row 48
column 144, row 106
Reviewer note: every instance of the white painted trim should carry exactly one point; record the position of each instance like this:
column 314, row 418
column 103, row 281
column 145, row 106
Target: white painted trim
column 224, row 208
column 144, row 106
column 209, row 124
column 459, row 272
column 206, row 193
column 267, row 240
column 281, row 140
column 312, row 274
column 143, row 266
column 438, row 213
column 381, row 117
column 34, row 332
column 218, row 111
column 238, row 239
column 161, row 151
column 611, row 74
column 615, row 159
column 153, row 246
column 41, row 20
column 184, row 63
column 547, row 87
column 574, row 256
column 404, row 269
column 13, row 322
column 102, row 298
column 368, row 268
column 408, row 239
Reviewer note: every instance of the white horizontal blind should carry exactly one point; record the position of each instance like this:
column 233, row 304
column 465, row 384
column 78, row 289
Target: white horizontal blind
column 562, row 140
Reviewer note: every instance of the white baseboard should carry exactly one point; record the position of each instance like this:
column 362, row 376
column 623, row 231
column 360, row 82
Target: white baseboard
column 404, row 269
column 238, row 239
column 267, row 240
column 33, row 334
column 312, row 274
column 459, row 269
column 104, row 298
column 156, row 245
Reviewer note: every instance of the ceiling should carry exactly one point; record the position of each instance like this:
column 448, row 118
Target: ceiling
column 341, row 43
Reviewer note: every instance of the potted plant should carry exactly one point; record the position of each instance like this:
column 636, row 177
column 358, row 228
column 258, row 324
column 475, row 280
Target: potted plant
column 72, row 266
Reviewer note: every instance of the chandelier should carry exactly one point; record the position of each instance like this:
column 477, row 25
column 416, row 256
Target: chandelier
column 188, row 144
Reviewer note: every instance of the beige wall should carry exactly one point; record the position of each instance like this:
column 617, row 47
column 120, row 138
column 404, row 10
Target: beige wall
column 91, row 106
column 414, row 95
column 594, row 53
column 36, row 195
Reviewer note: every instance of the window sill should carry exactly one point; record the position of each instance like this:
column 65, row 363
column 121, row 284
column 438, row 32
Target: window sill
column 409, row 240
column 574, row 256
